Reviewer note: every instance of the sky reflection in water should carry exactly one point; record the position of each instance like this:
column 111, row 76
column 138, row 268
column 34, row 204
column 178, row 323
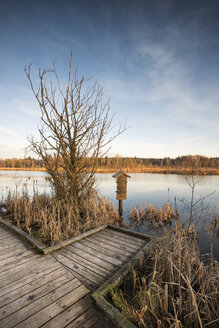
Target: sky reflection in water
column 142, row 189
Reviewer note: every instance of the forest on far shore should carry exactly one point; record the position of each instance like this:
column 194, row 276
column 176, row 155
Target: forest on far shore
column 126, row 163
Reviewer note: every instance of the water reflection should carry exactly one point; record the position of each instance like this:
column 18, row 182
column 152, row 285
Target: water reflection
column 142, row 189
column 158, row 188
column 17, row 180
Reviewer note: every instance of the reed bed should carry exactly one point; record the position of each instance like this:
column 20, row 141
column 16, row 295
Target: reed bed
column 51, row 220
column 152, row 217
column 171, row 286
column 214, row 226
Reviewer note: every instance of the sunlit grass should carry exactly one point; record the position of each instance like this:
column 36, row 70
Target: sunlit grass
column 51, row 220
column 172, row 286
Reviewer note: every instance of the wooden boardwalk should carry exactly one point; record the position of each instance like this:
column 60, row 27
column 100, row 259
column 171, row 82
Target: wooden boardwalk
column 54, row 290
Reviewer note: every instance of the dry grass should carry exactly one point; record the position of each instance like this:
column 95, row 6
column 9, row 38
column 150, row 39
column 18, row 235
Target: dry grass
column 172, row 286
column 214, row 226
column 152, row 217
column 51, row 220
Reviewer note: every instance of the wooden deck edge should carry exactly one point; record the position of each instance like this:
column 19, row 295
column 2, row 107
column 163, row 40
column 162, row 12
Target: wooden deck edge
column 25, row 235
column 42, row 248
column 118, row 319
column 130, row 232
column 74, row 239
column 98, row 296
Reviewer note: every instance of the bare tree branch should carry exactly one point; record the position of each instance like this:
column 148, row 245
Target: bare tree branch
column 76, row 129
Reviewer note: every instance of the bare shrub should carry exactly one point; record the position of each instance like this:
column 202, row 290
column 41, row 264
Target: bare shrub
column 76, row 130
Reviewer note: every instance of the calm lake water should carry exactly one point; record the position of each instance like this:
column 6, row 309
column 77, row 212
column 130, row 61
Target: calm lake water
column 142, row 189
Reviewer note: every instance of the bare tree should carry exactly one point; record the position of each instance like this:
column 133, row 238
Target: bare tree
column 76, row 129
column 196, row 208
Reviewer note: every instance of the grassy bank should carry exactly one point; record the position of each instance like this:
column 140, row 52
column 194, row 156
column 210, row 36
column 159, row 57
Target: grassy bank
column 172, row 285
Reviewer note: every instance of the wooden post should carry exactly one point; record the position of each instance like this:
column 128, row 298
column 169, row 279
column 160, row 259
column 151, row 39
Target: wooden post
column 120, row 208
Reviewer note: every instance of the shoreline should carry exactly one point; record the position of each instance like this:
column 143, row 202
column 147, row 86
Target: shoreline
column 158, row 170
column 37, row 169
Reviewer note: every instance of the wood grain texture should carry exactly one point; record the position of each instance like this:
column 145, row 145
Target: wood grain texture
column 54, row 290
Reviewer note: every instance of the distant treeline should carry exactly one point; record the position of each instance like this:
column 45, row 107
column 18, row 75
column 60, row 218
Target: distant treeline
column 187, row 161
column 129, row 163
column 17, row 163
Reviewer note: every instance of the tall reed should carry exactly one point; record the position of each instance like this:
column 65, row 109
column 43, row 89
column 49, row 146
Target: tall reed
column 51, row 220
column 173, row 287
column 153, row 217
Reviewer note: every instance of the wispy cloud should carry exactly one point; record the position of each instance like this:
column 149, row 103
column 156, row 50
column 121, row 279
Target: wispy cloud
column 27, row 107
column 8, row 131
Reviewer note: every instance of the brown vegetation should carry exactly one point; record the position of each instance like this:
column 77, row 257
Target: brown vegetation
column 153, row 218
column 51, row 220
column 171, row 286
column 214, row 226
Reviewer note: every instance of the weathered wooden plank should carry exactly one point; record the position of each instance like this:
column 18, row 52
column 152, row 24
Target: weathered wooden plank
column 30, row 287
column 96, row 253
column 90, row 323
column 54, row 309
column 123, row 241
column 35, row 306
column 72, row 240
column 10, row 249
column 95, row 278
column 85, row 316
column 12, row 252
column 96, row 245
column 39, row 273
column 4, row 229
column 8, row 243
column 23, row 234
column 75, row 310
column 14, row 259
column 126, row 237
column 25, row 271
column 30, row 296
column 120, row 274
column 128, row 232
column 4, row 239
column 90, row 265
column 14, row 244
column 110, row 244
column 103, row 322
column 23, row 263
column 83, row 280
column 4, row 232
column 22, row 301
column 100, row 262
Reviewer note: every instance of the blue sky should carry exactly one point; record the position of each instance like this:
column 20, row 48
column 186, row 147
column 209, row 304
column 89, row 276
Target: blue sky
column 157, row 60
